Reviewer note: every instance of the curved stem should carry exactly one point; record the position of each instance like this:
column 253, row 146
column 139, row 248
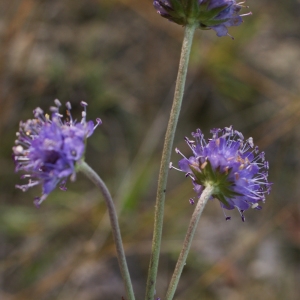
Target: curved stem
column 164, row 167
column 93, row 176
column 206, row 194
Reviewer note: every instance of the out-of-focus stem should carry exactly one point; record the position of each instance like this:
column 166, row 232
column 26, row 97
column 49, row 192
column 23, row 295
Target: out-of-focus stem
column 206, row 194
column 94, row 177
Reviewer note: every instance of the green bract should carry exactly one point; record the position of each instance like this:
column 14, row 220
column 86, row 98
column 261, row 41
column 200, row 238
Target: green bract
column 207, row 14
column 219, row 180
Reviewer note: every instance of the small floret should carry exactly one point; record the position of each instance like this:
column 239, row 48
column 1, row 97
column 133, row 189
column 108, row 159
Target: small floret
column 234, row 167
column 47, row 149
column 207, row 14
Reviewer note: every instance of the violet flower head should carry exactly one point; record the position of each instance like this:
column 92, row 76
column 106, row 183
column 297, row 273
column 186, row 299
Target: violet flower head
column 234, row 167
column 47, row 149
column 207, row 14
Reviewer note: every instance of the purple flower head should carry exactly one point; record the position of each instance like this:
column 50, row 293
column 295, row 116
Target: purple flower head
column 208, row 14
column 234, row 167
column 47, row 149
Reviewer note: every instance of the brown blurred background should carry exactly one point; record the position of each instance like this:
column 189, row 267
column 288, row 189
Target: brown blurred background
column 122, row 58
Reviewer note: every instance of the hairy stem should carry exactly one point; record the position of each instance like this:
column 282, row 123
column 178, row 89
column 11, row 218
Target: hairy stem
column 93, row 176
column 206, row 194
column 165, row 161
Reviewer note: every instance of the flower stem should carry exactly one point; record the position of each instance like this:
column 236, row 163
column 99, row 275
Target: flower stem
column 165, row 161
column 206, row 194
column 93, row 176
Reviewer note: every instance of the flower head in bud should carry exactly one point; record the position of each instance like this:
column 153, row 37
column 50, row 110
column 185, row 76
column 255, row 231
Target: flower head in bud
column 233, row 166
column 47, row 149
column 207, row 14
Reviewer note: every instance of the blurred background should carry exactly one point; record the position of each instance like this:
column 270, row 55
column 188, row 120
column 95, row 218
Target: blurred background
column 122, row 58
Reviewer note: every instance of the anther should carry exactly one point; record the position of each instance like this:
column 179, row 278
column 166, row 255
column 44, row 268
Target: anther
column 250, row 141
column 192, row 201
column 19, row 149
column 68, row 106
column 203, row 165
column 57, row 102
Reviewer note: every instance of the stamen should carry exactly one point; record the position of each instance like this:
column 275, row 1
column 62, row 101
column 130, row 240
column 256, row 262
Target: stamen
column 203, row 165
column 99, row 122
column 68, row 106
column 172, row 167
column 230, row 36
column 227, row 218
column 38, row 112
column 62, row 186
column 18, row 150
column 247, row 14
column 241, row 213
column 57, row 102
column 178, row 152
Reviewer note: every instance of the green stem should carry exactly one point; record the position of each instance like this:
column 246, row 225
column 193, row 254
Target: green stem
column 206, row 194
column 165, row 161
column 93, row 176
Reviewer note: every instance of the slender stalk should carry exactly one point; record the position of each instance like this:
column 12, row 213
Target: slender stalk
column 188, row 241
column 93, row 176
column 165, row 161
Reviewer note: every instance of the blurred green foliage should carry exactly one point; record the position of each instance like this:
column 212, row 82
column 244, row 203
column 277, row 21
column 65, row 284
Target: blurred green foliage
column 122, row 58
